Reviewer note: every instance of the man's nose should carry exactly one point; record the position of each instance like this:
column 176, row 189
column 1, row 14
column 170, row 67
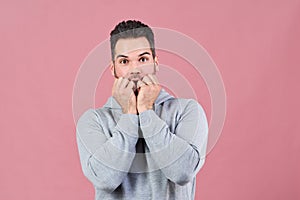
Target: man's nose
column 135, row 69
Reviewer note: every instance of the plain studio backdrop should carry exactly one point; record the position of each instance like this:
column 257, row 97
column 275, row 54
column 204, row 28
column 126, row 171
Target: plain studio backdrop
column 255, row 45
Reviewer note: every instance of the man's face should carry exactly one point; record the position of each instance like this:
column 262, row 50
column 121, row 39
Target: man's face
column 133, row 59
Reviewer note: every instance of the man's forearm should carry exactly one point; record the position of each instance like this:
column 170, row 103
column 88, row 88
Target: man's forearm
column 105, row 162
column 181, row 154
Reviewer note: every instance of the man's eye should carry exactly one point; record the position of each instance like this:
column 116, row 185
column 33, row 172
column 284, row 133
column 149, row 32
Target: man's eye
column 124, row 61
column 143, row 59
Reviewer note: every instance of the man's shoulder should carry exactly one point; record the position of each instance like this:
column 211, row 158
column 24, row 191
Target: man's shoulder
column 182, row 105
column 181, row 102
column 96, row 113
column 106, row 111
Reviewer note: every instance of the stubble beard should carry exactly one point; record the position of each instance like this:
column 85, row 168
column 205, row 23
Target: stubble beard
column 136, row 77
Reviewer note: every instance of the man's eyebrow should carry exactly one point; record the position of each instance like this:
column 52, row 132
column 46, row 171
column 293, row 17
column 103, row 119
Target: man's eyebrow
column 122, row 56
column 144, row 54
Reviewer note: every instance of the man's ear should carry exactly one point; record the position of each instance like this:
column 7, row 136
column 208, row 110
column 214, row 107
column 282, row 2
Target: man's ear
column 156, row 63
column 111, row 67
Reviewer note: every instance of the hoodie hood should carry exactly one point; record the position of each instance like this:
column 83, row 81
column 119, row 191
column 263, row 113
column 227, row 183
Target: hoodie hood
column 162, row 97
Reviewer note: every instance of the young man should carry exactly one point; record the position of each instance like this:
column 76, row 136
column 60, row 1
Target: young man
column 143, row 143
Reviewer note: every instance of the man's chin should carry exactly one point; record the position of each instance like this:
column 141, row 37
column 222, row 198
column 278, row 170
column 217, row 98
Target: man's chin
column 135, row 80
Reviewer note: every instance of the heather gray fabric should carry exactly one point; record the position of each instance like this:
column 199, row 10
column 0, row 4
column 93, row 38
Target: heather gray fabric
column 153, row 155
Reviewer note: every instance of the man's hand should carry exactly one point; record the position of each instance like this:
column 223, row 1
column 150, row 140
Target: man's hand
column 149, row 89
column 122, row 91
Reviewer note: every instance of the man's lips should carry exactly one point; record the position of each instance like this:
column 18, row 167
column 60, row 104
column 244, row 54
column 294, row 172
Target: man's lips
column 135, row 79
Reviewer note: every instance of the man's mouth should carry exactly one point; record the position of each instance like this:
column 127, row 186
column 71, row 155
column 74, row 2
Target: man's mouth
column 135, row 78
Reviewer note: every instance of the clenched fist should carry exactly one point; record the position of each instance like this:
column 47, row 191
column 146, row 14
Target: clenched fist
column 149, row 89
column 122, row 91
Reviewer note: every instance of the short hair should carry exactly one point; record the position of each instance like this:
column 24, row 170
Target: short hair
column 131, row 29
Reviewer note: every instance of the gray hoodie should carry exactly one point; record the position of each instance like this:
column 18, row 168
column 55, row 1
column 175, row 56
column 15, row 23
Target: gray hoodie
column 153, row 155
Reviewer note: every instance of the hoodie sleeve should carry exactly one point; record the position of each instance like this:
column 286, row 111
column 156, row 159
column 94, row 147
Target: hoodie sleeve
column 181, row 154
column 106, row 161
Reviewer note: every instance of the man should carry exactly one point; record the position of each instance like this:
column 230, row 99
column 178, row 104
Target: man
column 143, row 143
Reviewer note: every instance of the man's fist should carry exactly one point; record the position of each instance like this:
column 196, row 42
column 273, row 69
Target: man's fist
column 122, row 91
column 149, row 89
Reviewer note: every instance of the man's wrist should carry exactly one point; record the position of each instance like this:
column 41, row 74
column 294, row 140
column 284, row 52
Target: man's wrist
column 144, row 108
column 130, row 111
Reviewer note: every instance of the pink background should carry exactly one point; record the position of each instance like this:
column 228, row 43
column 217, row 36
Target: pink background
column 256, row 46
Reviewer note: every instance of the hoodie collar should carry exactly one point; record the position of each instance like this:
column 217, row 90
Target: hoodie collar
column 162, row 97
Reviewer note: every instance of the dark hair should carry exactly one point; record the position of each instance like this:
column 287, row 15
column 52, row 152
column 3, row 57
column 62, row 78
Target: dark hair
column 131, row 29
